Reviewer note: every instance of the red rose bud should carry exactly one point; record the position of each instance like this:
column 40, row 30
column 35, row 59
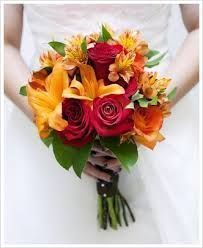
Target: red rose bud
column 101, row 56
column 79, row 130
column 110, row 117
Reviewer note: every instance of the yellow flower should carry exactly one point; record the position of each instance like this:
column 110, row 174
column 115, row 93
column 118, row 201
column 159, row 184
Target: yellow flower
column 48, row 59
column 73, row 50
column 151, row 85
column 90, row 88
column 47, row 103
column 122, row 67
column 131, row 41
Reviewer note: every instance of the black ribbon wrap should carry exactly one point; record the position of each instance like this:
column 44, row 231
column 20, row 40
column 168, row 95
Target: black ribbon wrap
column 108, row 189
column 112, row 206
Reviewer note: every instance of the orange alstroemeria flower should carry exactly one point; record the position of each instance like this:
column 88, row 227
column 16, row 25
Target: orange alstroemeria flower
column 151, row 85
column 90, row 88
column 46, row 102
column 139, row 63
column 147, row 123
column 122, row 67
column 49, row 58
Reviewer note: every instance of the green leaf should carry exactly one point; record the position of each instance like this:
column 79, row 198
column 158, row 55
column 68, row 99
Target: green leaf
column 130, row 106
column 136, row 96
column 154, row 101
column 58, row 47
column 172, row 94
column 143, row 102
column 126, row 153
column 48, row 141
column 100, row 39
column 23, row 91
column 84, row 45
column 64, row 154
column 152, row 53
column 155, row 62
column 68, row 156
column 105, row 34
column 80, row 158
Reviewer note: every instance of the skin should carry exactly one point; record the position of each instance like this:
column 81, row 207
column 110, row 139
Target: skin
column 184, row 69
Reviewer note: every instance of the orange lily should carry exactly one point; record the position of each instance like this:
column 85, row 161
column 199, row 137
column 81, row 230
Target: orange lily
column 90, row 88
column 47, row 103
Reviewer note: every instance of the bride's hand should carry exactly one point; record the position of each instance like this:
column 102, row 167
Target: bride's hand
column 101, row 158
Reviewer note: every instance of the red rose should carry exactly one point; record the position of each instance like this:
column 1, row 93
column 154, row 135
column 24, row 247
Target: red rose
column 101, row 56
column 110, row 117
column 79, row 130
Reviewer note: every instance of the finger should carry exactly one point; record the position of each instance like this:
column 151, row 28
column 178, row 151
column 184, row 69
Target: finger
column 101, row 161
column 95, row 173
column 113, row 164
column 98, row 150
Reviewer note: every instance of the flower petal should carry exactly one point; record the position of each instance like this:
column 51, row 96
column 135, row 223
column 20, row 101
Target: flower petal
column 149, row 140
column 105, row 90
column 89, row 80
column 113, row 76
column 73, row 93
column 76, row 91
column 55, row 119
column 38, row 79
column 40, row 100
column 42, row 125
column 57, row 81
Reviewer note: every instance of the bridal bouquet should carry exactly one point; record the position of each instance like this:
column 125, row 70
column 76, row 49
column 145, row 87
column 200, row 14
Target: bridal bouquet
column 96, row 88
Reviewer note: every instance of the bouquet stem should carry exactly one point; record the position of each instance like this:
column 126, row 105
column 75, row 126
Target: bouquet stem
column 113, row 208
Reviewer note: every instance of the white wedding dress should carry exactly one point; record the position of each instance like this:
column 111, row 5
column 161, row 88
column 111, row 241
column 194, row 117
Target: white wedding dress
column 46, row 204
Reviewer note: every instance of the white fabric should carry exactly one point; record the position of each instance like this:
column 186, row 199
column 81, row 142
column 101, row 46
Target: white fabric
column 46, row 204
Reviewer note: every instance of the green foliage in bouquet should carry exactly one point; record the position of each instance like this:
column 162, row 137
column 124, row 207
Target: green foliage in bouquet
column 126, row 152
column 58, row 47
column 172, row 94
column 105, row 35
column 154, row 62
column 23, row 91
column 68, row 156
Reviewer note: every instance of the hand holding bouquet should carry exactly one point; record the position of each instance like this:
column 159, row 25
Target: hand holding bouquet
column 95, row 88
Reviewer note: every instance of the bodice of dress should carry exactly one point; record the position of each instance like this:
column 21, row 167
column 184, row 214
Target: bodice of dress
column 48, row 22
